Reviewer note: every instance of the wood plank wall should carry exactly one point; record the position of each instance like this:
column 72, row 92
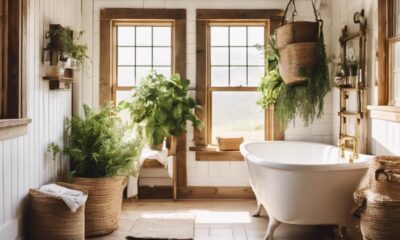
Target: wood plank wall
column 24, row 162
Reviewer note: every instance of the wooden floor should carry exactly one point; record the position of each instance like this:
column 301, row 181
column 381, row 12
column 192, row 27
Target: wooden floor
column 218, row 220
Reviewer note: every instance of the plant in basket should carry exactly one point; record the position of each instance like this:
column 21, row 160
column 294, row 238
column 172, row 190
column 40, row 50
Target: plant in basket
column 103, row 152
column 162, row 106
column 296, row 85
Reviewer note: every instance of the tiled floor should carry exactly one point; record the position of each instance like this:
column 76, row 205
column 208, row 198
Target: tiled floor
column 218, row 220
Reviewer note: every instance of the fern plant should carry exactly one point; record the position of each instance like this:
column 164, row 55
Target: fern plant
column 162, row 106
column 100, row 145
column 306, row 100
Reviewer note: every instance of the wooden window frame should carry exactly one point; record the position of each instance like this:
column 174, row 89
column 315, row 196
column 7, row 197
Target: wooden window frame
column 178, row 16
column 386, row 21
column 13, row 109
column 203, row 18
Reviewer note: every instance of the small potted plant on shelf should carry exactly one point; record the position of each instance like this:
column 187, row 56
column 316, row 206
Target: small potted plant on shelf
column 103, row 152
column 61, row 39
column 162, row 106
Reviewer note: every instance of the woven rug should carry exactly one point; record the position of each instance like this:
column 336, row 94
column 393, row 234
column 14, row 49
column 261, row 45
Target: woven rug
column 163, row 226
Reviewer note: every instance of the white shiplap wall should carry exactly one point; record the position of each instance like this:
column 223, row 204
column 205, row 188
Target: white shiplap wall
column 226, row 173
column 24, row 162
column 383, row 135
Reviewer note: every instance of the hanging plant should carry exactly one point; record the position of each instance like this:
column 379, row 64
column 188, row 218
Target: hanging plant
column 305, row 100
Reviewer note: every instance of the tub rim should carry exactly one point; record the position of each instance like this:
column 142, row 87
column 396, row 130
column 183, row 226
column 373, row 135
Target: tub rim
column 294, row 166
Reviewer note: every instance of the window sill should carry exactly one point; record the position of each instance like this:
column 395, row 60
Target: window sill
column 11, row 128
column 210, row 153
column 388, row 113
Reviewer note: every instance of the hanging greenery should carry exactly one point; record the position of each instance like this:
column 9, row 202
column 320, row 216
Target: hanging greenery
column 305, row 100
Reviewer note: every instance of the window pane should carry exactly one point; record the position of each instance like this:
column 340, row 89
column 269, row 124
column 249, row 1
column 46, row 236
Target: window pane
column 141, row 72
column 162, row 36
column 255, row 56
column 238, row 76
column 236, row 114
column 166, row 71
column 395, row 78
column 238, row 56
column 143, row 36
column 143, row 56
column 219, row 36
column 126, row 36
column 397, row 19
column 255, row 36
column 237, row 36
column 396, row 89
column 254, row 76
column 126, row 56
column 219, row 77
column 219, row 56
column 161, row 56
column 126, row 76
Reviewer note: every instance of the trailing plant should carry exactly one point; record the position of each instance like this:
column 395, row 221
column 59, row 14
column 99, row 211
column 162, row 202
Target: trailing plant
column 77, row 51
column 305, row 100
column 54, row 149
column 162, row 106
column 100, row 145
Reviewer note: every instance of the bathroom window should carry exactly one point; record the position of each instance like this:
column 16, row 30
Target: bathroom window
column 236, row 64
column 140, row 48
column 394, row 53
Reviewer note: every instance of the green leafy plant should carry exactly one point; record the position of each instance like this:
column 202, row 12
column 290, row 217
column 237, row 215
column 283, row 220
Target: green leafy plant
column 162, row 106
column 100, row 145
column 54, row 149
column 77, row 51
column 306, row 100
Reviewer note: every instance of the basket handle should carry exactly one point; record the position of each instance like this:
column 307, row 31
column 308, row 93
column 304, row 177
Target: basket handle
column 388, row 174
column 316, row 13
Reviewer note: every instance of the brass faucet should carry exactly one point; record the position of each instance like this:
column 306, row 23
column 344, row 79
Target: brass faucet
column 342, row 145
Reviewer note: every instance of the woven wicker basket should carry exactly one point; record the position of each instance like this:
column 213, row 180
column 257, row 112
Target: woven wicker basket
column 103, row 207
column 384, row 176
column 295, row 58
column 296, row 32
column 380, row 215
column 50, row 218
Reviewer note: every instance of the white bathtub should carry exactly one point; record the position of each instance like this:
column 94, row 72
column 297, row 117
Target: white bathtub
column 303, row 183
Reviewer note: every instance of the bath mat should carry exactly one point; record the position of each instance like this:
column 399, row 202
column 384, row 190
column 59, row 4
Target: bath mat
column 163, row 227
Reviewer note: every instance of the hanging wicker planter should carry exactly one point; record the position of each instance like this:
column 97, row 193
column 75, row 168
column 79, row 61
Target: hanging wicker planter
column 103, row 207
column 50, row 218
column 297, row 45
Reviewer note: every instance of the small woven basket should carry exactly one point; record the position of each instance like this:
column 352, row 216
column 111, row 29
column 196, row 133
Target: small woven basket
column 229, row 144
column 380, row 215
column 50, row 218
column 103, row 207
column 294, row 59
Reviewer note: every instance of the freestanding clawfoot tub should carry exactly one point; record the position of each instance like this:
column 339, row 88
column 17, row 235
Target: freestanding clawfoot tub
column 303, row 183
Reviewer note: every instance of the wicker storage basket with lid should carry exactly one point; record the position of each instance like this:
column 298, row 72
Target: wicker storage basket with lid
column 379, row 204
column 103, row 207
column 50, row 218
column 297, row 45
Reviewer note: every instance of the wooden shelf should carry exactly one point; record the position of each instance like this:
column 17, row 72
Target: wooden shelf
column 60, row 79
column 211, row 153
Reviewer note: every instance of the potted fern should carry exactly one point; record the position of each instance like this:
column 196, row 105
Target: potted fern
column 102, row 152
column 162, row 106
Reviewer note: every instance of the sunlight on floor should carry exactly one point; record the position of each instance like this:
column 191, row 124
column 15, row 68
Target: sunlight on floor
column 221, row 216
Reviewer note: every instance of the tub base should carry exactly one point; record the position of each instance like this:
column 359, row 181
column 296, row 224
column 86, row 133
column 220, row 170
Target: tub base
column 272, row 225
column 257, row 212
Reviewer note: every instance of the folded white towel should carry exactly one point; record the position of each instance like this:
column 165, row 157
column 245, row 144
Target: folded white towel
column 72, row 198
column 161, row 156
